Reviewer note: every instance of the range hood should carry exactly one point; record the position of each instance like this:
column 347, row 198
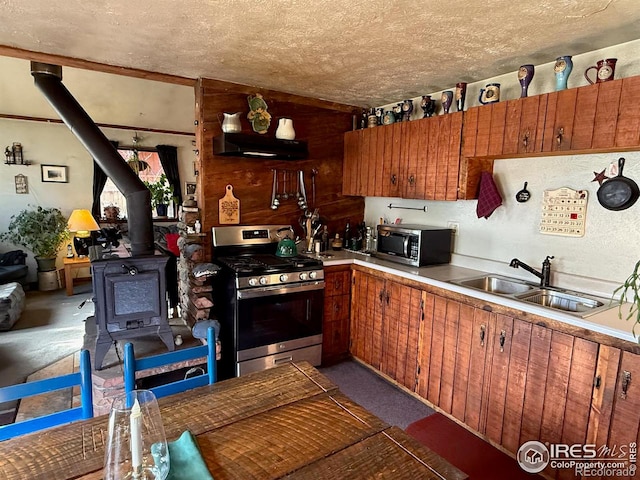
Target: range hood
column 258, row 146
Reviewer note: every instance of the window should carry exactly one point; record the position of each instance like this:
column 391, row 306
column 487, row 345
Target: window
column 146, row 163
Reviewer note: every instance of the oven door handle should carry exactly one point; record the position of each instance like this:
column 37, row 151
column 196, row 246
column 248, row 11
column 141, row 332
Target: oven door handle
column 279, row 290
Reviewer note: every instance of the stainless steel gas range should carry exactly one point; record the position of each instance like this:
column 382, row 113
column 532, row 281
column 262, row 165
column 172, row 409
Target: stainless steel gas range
column 270, row 308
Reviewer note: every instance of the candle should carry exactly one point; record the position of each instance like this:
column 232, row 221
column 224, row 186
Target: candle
column 135, row 420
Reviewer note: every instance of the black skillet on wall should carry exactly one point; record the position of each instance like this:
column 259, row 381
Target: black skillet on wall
column 619, row 192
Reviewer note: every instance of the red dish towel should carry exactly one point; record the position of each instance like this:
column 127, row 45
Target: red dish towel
column 488, row 198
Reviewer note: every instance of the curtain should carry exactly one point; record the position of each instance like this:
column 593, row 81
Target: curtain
column 99, row 180
column 169, row 159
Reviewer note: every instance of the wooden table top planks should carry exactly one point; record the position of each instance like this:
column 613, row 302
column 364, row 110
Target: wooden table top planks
column 288, row 422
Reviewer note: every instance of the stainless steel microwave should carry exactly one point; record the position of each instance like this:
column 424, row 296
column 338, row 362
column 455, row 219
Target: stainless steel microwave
column 415, row 245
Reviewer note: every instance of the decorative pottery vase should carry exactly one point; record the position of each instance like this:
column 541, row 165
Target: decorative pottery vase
column 489, row 94
column 605, row 70
column 379, row 114
column 388, row 118
column 562, row 69
column 285, row 129
column 428, row 106
column 407, row 108
column 525, row 75
column 447, row 99
column 397, row 111
column 231, row 123
column 372, row 119
column 461, row 94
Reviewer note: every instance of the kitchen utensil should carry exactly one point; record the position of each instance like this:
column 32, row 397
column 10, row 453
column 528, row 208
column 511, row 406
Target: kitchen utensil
column 274, row 201
column 314, row 172
column 229, row 207
column 303, row 190
column 618, row 193
column 285, row 186
column 286, row 246
column 523, row 195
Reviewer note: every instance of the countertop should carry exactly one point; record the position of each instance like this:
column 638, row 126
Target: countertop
column 606, row 322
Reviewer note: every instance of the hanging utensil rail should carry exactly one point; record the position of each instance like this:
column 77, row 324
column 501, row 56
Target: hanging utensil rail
column 422, row 209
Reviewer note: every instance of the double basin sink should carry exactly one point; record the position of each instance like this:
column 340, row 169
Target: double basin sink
column 574, row 303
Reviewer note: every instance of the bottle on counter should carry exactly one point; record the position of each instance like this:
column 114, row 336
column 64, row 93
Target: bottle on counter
column 347, row 234
column 324, row 239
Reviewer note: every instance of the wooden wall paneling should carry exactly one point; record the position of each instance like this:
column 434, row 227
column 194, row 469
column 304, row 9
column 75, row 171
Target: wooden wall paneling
column 398, row 311
column 606, row 116
column 314, row 121
column 480, row 343
column 579, row 393
column 565, row 109
column 424, row 346
column 484, row 130
column 388, row 169
column 608, row 362
column 453, row 161
column 502, row 342
column 415, row 314
column 442, row 163
column 437, row 349
column 496, row 134
column 422, row 156
column 519, row 359
column 432, row 157
column 462, row 361
column 512, row 126
column 534, row 392
column 380, row 160
column 584, row 120
column 470, row 132
column 351, row 163
column 447, row 377
column 628, row 127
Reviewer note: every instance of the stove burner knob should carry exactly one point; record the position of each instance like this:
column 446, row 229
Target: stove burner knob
column 284, row 277
column 264, row 280
column 312, row 275
column 303, row 276
column 253, row 282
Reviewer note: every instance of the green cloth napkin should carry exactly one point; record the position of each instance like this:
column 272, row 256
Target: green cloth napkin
column 185, row 460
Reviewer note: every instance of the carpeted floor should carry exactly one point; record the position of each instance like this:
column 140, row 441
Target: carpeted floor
column 377, row 395
column 44, row 335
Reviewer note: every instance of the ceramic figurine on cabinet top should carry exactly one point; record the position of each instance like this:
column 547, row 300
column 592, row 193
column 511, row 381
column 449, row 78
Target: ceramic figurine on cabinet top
column 525, row 75
column 379, row 113
column 461, row 94
column 388, row 118
column 489, row 94
column 397, row 111
column 428, row 106
column 407, row 108
column 562, row 70
column 447, row 99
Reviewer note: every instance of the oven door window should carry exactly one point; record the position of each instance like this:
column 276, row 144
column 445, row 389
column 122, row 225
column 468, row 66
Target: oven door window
column 279, row 318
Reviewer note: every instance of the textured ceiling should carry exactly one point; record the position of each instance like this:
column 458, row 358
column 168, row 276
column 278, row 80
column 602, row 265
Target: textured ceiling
column 355, row 52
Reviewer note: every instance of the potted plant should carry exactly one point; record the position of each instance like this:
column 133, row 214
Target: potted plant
column 41, row 230
column 630, row 292
column 161, row 194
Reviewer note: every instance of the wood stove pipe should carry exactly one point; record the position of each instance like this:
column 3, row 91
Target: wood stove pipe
column 48, row 79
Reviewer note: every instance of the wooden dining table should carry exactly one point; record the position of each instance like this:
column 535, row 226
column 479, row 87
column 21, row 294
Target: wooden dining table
column 288, row 422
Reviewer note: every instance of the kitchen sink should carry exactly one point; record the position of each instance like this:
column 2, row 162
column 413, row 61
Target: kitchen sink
column 574, row 303
column 496, row 284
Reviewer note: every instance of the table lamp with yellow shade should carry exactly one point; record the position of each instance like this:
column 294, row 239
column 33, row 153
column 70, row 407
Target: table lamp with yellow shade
column 81, row 223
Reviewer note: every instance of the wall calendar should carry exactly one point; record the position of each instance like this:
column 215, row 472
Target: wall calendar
column 564, row 212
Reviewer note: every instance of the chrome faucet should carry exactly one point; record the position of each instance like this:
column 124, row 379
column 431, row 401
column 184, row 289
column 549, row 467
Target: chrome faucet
column 544, row 276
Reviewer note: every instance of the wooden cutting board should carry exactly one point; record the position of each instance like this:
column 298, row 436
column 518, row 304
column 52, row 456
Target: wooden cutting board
column 229, row 207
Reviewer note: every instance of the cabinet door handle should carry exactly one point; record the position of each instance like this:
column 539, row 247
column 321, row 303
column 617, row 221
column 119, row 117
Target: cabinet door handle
column 503, row 337
column 483, row 331
column 387, row 296
column 525, row 139
column 597, row 382
column 411, row 180
column 394, row 179
column 626, row 380
column 559, row 136
column 381, row 295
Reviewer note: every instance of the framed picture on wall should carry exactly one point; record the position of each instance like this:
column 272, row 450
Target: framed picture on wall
column 54, row 173
column 189, row 188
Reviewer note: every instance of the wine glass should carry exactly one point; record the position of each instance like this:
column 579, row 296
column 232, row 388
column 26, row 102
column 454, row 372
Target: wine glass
column 136, row 443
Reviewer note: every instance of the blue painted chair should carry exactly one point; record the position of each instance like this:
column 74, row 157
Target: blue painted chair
column 133, row 365
column 29, row 389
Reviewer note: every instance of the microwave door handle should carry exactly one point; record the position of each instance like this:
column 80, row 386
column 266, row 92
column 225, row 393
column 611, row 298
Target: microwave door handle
column 405, row 244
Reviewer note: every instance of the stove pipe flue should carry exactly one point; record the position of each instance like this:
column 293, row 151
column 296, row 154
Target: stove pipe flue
column 48, row 79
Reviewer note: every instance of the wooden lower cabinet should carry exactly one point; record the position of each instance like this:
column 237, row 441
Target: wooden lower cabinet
column 337, row 303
